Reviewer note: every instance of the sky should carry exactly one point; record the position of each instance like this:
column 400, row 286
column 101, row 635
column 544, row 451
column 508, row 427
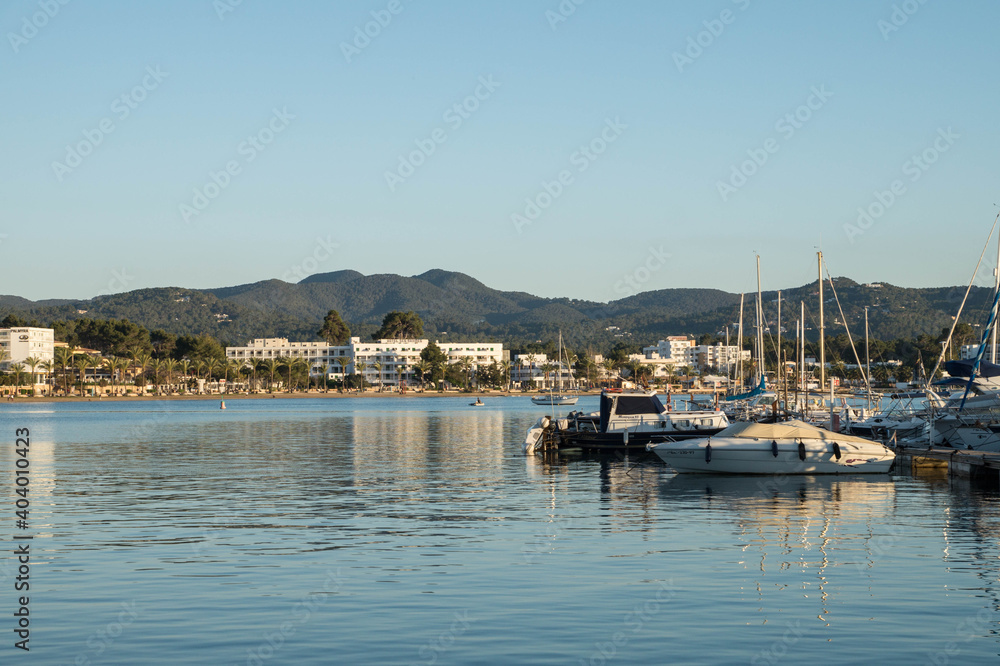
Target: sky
column 583, row 148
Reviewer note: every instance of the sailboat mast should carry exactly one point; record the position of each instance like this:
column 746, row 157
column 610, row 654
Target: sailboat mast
column 729, row 368
column 822, row 341
column 868, row 361
column 996, row 288
column 802, row 345
column 780, row 369
column 560, row 362
column 739, row 342
column 760, row 327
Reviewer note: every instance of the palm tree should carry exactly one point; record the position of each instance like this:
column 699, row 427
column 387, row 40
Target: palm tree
column 184, row 365
column 49, row 367
column 288, row 363
column 18, row 370
column 671, row 374
column 608, row 365
column 546, row 369
column 442, row 365
column 271, row 365
column 249, row 371
column 157, row 365
column 64, row 359
column 256, row 364
column 296, row 365
column 32, row 362
column 94, row 362
column 317, row 372
column 232, row 366
column 170, row 366
column 112, row 364
column 359, row 369
column 342, row 362
column 81, row 362
column 212, row 366
column 377, row 367
column 466, row 364
column 141, row 360
column 422, row 368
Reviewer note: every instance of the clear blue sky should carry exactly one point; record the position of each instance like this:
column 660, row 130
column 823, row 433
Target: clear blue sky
column 671, row 131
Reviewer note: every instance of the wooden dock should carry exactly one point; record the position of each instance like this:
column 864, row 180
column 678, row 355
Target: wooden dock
column 978, row 466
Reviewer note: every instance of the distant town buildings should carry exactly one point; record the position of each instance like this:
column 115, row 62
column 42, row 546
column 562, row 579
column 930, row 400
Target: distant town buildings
column 680, row 351
column 384, row 362
column 537, row 368
column 970, row 351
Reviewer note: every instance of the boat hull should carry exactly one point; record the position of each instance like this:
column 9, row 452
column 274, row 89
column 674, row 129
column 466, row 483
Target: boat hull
column 557, row 400
column 616, row 441
column 757, row 457
column 982, row 438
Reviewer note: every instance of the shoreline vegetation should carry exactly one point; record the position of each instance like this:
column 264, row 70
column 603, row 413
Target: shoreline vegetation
column 283, row 395
column 109, row 359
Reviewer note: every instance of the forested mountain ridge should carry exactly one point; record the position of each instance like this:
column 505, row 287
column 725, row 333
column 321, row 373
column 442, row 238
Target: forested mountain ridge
column 458, row 305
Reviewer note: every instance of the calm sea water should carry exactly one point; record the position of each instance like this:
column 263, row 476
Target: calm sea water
column 415, row 532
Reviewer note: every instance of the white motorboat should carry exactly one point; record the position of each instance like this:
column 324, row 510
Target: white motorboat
column 791, row 447
column 556, row 399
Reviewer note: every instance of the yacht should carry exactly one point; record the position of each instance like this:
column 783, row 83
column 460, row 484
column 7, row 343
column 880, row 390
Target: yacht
column 555, row 399
column 791, row 447
column 627, row 421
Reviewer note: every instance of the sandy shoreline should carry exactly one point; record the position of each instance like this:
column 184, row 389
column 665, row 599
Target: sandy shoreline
column 276, row 396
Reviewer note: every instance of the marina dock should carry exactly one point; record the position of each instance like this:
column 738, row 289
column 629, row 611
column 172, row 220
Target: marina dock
column 978, row 466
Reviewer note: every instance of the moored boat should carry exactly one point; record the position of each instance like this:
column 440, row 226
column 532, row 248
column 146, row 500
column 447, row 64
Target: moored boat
column 556, row 399
column 791, row 447
column 627, row 421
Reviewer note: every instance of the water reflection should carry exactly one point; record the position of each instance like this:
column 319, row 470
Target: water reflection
column 431, row 511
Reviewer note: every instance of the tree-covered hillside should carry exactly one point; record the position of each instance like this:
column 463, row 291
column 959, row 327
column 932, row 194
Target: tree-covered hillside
column 456, row 305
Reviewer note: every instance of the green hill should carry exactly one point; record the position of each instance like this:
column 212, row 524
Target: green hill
column 456, row 304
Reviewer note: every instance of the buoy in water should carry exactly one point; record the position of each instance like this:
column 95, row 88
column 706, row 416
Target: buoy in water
column 222, row 405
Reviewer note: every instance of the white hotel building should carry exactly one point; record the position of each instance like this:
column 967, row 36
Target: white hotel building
column 397, row 357
column 27, row 342
column 681, row 351
column 527, row 368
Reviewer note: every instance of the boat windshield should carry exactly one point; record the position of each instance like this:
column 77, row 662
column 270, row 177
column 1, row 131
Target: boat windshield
column 628, row 405
column 639, row 404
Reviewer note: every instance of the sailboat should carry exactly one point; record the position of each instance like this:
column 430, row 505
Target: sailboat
column 557, row 398
column 756, row 397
